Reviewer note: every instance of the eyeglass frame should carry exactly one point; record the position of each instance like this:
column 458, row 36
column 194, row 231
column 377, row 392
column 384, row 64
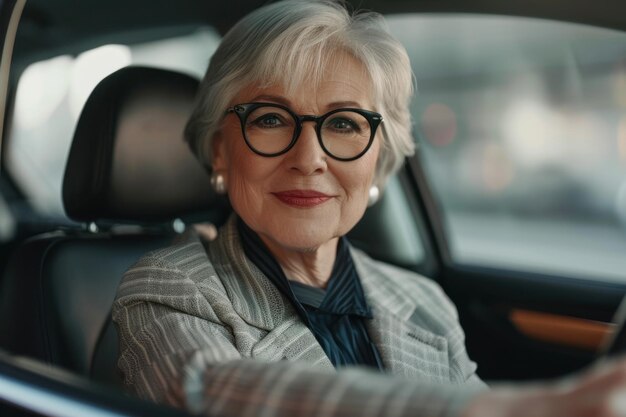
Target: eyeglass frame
column 243, row 111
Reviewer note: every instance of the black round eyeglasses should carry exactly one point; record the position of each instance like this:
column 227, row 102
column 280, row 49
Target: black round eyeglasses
column 272, row 129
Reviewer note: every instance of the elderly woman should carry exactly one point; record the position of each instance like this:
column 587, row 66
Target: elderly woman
column 302, row 116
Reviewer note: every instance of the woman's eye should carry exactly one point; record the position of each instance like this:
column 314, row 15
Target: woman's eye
column 268, row 120
column 343, row 125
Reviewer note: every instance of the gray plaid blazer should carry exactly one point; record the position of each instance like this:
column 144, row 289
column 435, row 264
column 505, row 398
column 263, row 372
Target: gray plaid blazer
column 202, row 328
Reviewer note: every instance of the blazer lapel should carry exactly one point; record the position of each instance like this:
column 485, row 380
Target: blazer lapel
column 293, row 341
column 257, row 301
column 406, row 348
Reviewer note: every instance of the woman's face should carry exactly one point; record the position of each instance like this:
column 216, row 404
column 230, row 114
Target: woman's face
column 303, row 198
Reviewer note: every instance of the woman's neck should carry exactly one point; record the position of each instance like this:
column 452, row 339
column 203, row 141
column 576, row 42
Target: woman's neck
column 311, row 266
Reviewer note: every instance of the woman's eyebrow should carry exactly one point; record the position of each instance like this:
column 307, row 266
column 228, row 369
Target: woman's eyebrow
column 286, row 102
column 276, row 99
column 339, row 104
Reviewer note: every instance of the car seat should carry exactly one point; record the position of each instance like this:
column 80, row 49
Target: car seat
column 132, row 182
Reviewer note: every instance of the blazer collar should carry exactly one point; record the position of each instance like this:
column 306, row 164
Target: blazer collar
column 406, row 348
column 262, row 304
column 382, row 293
column 256, row 300
column 254, row 297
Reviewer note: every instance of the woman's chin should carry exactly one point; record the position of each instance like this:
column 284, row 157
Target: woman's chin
column 303, row 237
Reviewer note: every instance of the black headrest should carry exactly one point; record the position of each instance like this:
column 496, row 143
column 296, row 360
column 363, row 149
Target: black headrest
column 128, row 160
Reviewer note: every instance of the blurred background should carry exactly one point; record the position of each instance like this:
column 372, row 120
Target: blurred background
column 521, row 126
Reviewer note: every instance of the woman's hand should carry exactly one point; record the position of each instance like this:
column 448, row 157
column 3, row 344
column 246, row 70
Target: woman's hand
column 598, row 392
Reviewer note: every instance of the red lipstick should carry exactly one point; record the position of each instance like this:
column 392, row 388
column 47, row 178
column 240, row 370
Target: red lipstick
column 302, row 198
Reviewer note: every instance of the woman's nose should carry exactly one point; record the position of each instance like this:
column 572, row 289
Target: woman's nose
column 307, row 156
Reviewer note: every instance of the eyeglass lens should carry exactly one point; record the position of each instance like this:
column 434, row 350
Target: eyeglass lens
column 270, row 130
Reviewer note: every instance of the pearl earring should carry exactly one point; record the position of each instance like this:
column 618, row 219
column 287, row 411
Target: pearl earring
column 218, row 183
column 374, row 195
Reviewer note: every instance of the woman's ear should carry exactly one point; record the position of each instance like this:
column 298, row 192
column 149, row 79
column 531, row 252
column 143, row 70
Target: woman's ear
column 219, row 160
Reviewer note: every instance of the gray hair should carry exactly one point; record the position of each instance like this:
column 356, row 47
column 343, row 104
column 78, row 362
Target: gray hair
column 304, row 37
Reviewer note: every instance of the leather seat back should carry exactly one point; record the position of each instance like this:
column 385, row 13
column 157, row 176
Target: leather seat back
column 128, row 176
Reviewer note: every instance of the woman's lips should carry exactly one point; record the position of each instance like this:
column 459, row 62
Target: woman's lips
column 302, row 198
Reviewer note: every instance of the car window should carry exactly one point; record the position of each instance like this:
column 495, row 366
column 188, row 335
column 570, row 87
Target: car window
column 521, row 129
column 51, row 94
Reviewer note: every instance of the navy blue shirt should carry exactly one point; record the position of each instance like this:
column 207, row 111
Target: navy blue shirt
column 336, row 315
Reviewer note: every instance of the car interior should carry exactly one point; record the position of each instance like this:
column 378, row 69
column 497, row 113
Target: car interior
column 135, row 114
column 130, row 185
